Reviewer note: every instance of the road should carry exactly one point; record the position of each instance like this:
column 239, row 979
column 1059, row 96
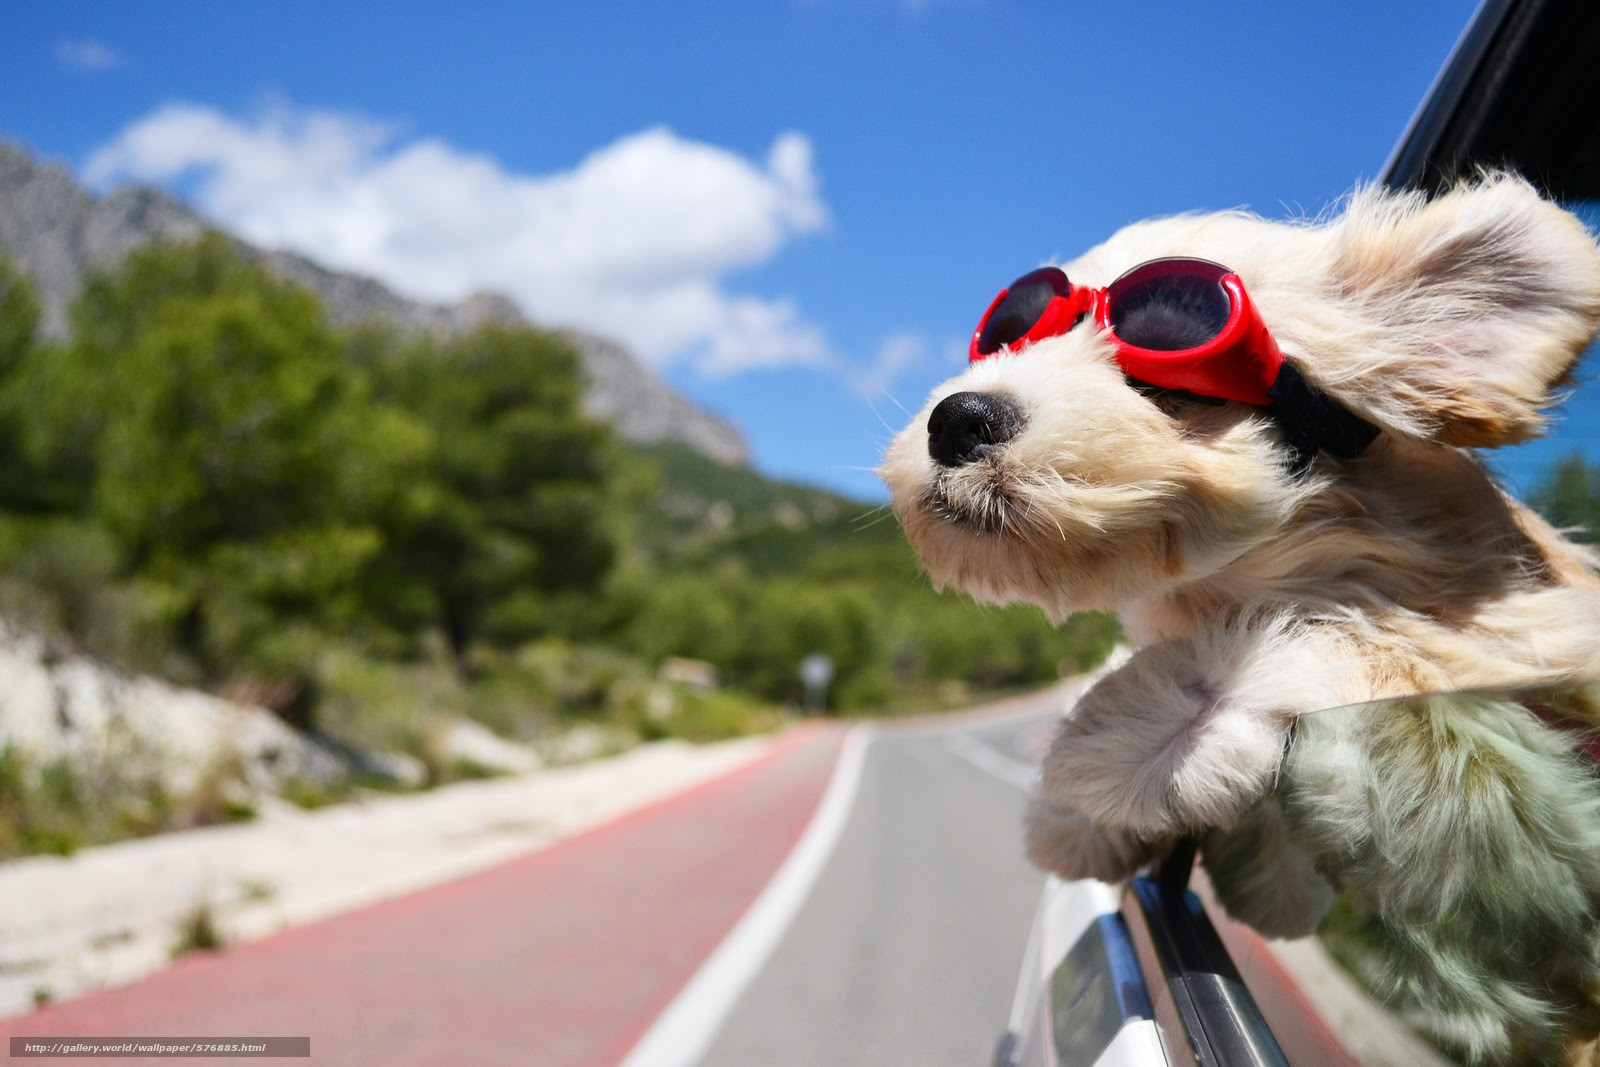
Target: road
column 903, row 948
column 908, row 948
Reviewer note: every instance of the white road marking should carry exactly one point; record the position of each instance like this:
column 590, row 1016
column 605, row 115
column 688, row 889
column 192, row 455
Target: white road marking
column 683, row 1032
column 1011, row 771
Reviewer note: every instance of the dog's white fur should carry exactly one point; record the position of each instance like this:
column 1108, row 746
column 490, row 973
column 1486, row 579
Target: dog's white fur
column 1255, row 595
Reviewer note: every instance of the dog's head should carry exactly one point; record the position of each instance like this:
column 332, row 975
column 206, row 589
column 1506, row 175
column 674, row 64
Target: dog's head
column 1047, row 476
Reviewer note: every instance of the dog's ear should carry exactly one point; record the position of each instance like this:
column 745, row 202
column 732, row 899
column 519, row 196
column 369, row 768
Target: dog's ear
column 1455, row 318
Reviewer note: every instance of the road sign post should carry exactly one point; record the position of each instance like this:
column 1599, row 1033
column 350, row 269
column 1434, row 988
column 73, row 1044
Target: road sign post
column 816, row 671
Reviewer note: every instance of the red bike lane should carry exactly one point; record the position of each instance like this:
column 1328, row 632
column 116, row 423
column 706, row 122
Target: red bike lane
column 561, row 958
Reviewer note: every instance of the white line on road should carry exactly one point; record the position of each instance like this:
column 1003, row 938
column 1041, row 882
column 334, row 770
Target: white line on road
column 683, row 1032
column 1011, row 771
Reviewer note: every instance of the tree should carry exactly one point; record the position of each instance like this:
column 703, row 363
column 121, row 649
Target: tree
column 515, row 505
column 1569, row 496
column 19, row 318
column 22, row 482
column 233, row 453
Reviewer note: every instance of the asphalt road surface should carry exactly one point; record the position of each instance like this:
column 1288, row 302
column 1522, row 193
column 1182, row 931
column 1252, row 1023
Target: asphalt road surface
column 908, row 948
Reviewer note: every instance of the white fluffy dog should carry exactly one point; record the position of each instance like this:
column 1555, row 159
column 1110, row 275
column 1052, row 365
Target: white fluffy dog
column 1258, row 588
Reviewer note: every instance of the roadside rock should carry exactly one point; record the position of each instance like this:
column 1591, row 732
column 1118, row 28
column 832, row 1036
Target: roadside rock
column 54, row 706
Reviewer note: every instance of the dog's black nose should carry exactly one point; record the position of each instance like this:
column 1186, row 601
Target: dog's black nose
column 965, row 426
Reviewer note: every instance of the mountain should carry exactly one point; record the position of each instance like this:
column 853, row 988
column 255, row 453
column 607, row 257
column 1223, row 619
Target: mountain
column 57, row 231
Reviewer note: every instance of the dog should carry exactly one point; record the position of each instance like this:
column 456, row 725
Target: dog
column 1325, row 539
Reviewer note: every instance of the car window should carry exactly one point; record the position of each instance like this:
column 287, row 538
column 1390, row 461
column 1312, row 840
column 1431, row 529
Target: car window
column 1459, row 838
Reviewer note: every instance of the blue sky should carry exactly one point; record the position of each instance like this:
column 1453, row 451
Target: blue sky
column 795, row 209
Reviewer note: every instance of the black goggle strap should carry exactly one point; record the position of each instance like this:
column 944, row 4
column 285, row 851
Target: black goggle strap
column 1315, row 422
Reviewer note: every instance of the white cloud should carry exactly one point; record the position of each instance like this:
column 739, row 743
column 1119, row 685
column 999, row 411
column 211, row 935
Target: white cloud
column 899, row 351
column 87, row 55
column 635, row 241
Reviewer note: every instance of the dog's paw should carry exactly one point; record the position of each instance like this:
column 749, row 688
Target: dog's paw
column 1188, row 734
column 1263, row 877
column 1070, row 845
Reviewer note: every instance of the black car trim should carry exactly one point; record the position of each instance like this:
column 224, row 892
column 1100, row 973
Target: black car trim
column 1205, row 1013
column 1440, row 107
column 1519, row 91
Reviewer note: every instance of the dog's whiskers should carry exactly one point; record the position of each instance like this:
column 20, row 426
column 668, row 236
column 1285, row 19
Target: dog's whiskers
column 871, row 519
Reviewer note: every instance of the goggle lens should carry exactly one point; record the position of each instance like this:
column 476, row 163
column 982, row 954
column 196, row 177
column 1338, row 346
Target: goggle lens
column 1169, row 305
column 1020, row 309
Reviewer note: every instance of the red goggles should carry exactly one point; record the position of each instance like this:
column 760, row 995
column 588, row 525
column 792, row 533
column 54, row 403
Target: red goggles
column 1176, row 323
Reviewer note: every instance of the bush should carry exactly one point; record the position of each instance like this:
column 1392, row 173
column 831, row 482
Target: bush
column 115, row 793
column 386, row 706
column 715, row 715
